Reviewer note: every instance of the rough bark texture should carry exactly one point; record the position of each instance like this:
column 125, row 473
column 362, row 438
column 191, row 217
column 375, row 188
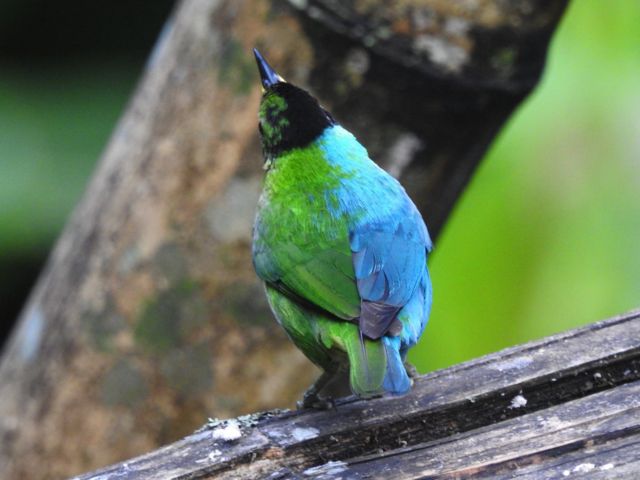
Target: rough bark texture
column 148, row 317
column 565, row 406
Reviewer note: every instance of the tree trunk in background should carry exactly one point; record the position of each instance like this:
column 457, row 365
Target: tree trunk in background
column 149, row 317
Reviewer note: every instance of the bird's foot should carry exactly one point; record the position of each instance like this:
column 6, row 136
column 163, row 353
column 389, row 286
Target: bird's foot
column 411, row 370
column 313, row 400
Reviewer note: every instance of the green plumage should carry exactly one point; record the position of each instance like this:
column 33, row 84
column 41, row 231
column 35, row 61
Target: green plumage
column 332, row 345
column 313, row 264
column 313, row 259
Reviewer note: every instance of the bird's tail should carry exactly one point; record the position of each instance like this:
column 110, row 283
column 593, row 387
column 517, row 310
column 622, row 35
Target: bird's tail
column 396, row 379
column 375, row 366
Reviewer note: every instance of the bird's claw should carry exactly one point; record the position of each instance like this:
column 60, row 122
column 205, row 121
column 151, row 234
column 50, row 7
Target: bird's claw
column 313, row 400
column 412, row 372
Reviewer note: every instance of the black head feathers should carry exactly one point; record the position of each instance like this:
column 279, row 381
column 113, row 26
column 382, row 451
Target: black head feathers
column 289, row 116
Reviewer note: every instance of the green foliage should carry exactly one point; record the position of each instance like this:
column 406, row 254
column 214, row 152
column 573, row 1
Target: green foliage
column 53, row 124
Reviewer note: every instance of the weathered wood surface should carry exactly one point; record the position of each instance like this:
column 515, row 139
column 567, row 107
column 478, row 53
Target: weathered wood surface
column 148, row 316
column 565, row 406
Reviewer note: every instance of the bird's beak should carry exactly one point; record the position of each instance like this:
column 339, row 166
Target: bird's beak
column 268, row 75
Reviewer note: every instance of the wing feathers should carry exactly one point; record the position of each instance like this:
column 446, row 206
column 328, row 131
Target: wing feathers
column 389, row 259
column 376, row 318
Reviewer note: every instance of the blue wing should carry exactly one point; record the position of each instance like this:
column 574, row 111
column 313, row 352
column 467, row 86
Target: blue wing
column 389, row 259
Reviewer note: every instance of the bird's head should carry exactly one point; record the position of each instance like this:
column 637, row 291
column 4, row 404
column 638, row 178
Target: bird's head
column 289, row 117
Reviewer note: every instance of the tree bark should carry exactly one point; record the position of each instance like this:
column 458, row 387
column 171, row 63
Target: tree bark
column 149, row 317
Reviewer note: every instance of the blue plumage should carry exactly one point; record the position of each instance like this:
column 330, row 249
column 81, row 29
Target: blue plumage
column 389, row 245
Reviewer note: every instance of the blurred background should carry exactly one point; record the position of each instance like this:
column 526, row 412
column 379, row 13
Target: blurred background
column 67, row 70
column 546, row 237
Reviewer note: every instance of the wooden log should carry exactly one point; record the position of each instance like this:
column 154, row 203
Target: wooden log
column 567, row 403
column 148, row 316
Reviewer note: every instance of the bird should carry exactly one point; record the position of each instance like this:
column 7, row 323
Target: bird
column 341, row 248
